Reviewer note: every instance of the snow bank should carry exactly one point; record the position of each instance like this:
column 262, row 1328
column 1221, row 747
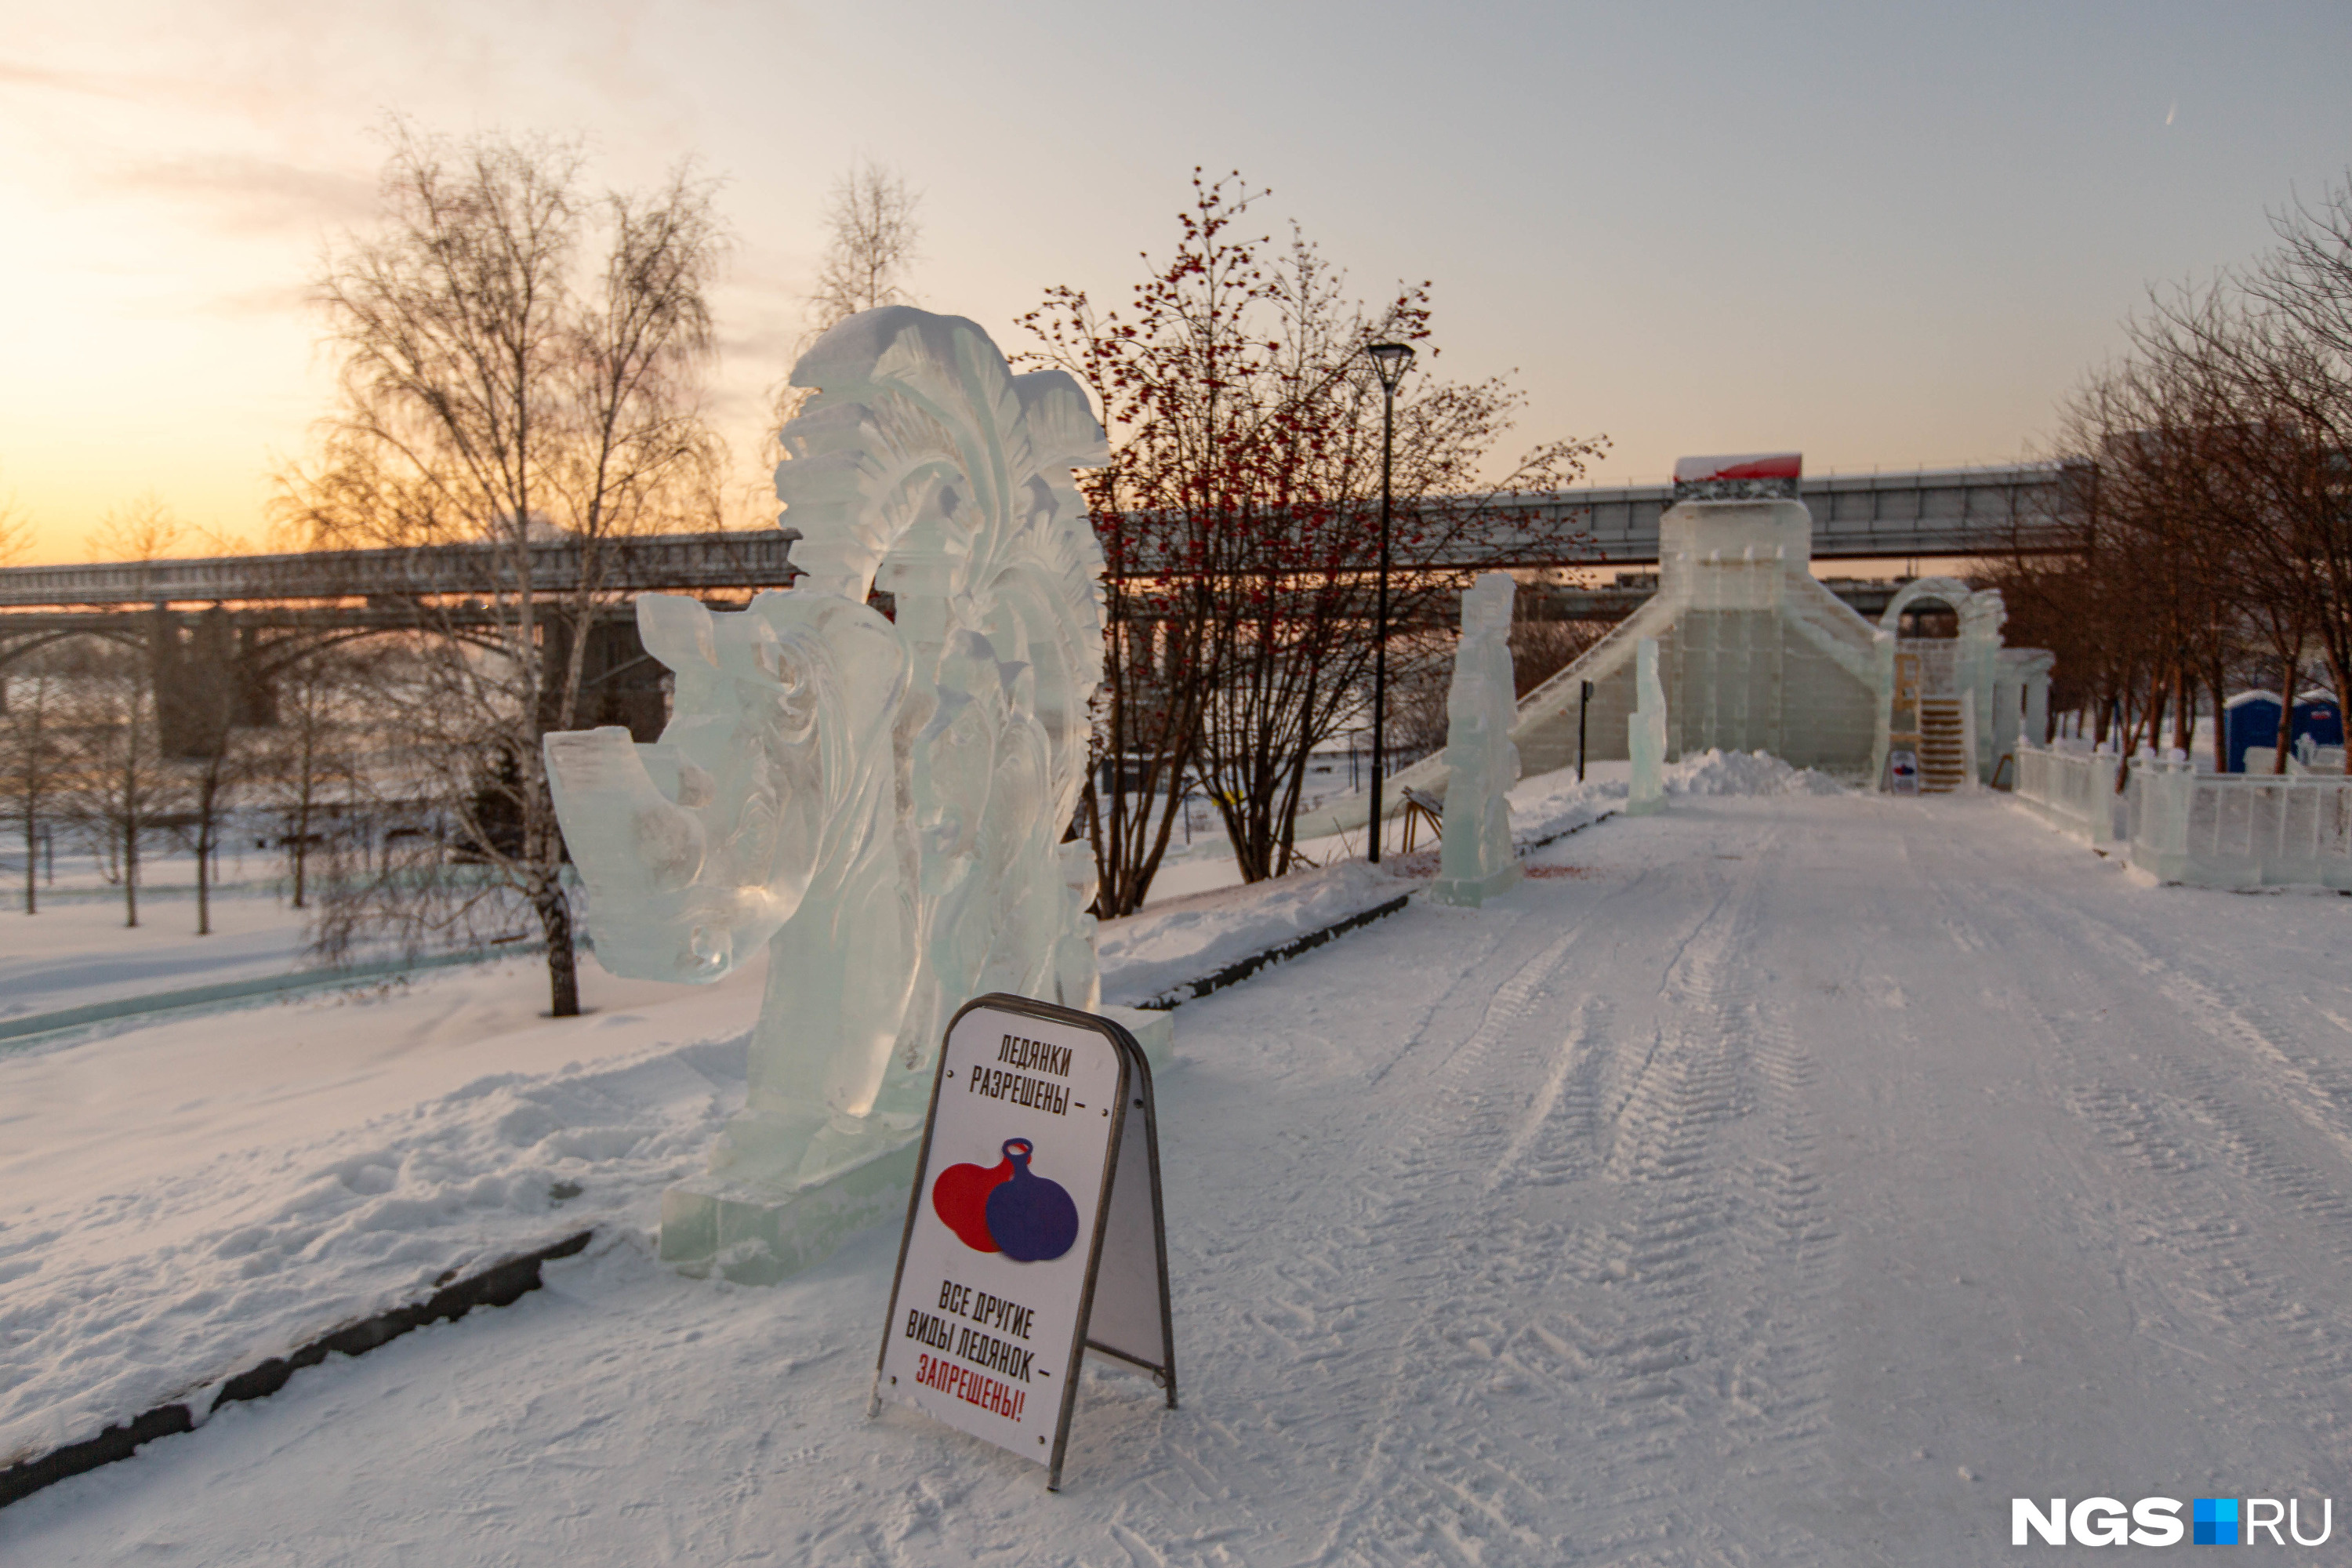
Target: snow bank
column 1714, row 771
column 1187, row 939
column 1549, row 805
column 205, row 1271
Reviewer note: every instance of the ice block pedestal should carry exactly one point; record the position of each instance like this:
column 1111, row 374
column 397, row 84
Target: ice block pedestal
column 756, row 1228
column 1154, row 1029
column 758, row 1219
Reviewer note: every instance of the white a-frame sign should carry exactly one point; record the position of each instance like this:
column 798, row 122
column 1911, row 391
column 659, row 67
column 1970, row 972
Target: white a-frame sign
column 1035, row 1232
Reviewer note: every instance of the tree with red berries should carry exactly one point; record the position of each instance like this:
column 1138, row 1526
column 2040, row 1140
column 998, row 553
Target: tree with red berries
column 1238, row 514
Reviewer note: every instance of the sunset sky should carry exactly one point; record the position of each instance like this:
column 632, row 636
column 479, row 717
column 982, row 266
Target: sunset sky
column 1887, row 236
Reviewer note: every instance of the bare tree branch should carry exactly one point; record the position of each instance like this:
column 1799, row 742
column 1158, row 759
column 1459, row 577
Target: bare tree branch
column 495, row 386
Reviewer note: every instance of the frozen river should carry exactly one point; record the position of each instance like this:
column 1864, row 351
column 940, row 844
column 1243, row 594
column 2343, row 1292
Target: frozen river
column 1778, row 1180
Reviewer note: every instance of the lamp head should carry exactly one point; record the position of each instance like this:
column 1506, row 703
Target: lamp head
column 1390, row 361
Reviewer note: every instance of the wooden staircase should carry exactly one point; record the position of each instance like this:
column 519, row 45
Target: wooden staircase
column 1943, row 754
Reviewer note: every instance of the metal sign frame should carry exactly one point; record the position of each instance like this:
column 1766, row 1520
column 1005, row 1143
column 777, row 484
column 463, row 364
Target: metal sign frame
column 1135, row 1094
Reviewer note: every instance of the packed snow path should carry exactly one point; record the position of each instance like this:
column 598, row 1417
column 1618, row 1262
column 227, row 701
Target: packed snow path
column 1783, row 1180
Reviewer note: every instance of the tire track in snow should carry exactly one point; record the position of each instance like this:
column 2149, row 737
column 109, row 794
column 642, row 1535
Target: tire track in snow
column 1452, row 1120
column 2318, row 1091
column 2210, row 1166
column 2208, row 1103
column 1631, row 1301
column 1702, row 1318
column 1299, row 1311
column 1561, row 1159
column 1788, row 1235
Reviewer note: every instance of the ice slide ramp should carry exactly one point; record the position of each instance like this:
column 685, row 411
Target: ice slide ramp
column 1756, row 654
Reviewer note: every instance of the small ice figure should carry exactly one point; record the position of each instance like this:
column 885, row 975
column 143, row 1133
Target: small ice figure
column 1476, row 860
column 1645, row 733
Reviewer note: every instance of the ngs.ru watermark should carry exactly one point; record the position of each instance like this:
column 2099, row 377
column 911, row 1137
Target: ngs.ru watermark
column 2157, row 1521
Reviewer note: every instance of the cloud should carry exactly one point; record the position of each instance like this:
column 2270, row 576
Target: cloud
column 759, row 342
column 252, row 195
column 93, row 84
column 272, row 299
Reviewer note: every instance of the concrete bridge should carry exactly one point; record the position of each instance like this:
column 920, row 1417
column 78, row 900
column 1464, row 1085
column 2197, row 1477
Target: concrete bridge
column 235, row 622
column 1926, row 512
column 229, row 625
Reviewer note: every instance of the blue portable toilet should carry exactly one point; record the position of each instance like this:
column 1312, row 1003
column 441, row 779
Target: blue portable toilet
column 2248, row 718
column 2251, row 720
column 2318, row 718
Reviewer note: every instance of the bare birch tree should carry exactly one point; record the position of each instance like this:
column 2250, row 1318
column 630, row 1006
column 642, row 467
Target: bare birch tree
column 872, row 233
column 309, row 776
column 116, row 781
column 502, row 385
column 872, row 238
column 27, row 740
column 32, row 753
column 16, row 533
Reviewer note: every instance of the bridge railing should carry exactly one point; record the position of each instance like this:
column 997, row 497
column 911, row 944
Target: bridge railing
column 759, row 558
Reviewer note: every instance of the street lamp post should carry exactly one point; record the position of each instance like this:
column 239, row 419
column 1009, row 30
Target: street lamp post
column 1390, row 361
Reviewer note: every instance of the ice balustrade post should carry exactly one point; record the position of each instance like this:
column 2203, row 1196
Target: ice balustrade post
column 2075, row 791
column 2099, row 809
column 1476, row 860
column 1645, row 733
column 2037, row 707
column 1982, row 615
column 2058, row 773
column 1968, row 780
column 2172, row 791
column 1881, row 729
column 2033, row 776
column 877, row 800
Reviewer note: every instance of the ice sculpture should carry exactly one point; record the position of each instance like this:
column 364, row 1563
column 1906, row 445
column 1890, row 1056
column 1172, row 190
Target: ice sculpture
column 879, row 799
column 1476, row 860
column 1645, row 733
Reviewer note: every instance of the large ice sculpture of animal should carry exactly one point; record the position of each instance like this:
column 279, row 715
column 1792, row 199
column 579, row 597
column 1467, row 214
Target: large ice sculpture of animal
column 879, row 799
column 1645, row 735
column 1476, row 860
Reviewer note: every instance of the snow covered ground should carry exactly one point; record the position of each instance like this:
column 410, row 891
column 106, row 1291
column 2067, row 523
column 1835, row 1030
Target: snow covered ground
column 183, row 1199
column 1783, row 1178
column 267, row 1172
column 1176, row 939
column 76, row 950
